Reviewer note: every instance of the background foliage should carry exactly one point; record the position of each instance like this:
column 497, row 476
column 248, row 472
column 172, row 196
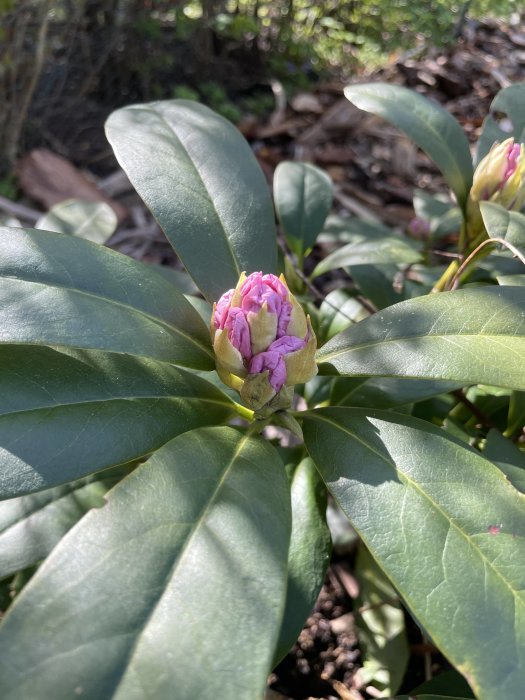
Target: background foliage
column 57, row 58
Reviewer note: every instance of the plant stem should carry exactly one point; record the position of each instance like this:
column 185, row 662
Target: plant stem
column 244, row 412
column 442, row 284
column 455, row 280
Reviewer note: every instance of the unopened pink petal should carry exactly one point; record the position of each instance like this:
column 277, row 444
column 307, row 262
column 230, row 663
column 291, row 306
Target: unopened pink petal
column 512, row 161
column 273, row 362
column 259, row 289
column 284, row 319
column 239, row 331
column 221, row 309
column 286, row 344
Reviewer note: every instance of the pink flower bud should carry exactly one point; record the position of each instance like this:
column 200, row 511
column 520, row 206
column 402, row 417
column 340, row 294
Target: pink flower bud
column 262, row 339
column 499, row 178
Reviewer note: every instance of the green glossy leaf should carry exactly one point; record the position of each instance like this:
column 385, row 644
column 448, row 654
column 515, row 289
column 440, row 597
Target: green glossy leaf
column 386, row 392
column 202, row 183
column 30, row 526
column 93, row 221
column 381, row 624
column 309, row 554
column 512, row 280
column 509, row 458
column 419, row 500
column 303, row 199
column 447, row 684
column 516, row 417
column 56, row 289
column 174, row 588
column 474, row 335
column 377, row 284
column 430, row 207
column 338, row 310
column 428, row 124
column 339, row 229
column 63, row 416
column 178, row 278
column 439, row 213
column 377, row 251
column 501, row 223
column 511, row 102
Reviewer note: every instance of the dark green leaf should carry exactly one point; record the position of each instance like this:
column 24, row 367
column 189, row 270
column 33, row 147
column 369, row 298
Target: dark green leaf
column 303, row 199
column 56, row 289
column 63, row 416
column 309, row 554
column 30, row 526
column 430, row 126
column 386, row 392
column 377, row 284
column 431, row 208
column 338, row 229
column 202, row 183
column 447, row 684
column 178, row 278
column 377, row 251
column 501, row 223
column 516, row 417
column 174, row 589
column 420, row 501
column 471, row 336
column 511, row 102
column 509, row 458
column 338, row 310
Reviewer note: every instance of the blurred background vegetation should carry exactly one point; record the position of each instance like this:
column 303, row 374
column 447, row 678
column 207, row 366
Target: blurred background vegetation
column 65, row 65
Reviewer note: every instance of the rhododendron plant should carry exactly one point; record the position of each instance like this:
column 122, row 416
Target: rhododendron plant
column 166, row 495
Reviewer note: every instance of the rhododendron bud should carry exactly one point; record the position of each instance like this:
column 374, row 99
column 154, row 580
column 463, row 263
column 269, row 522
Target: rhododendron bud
column 263, row 342
column 499, row 178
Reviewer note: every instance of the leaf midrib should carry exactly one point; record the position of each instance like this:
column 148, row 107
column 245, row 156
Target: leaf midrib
column 208, row 197
column 442, row 336
column 443, row 513
column 107, row 300
column 157, row 397
column 191, row 535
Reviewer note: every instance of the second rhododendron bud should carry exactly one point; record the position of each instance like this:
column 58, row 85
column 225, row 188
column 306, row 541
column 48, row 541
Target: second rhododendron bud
column 263, row 342
column 499, row 178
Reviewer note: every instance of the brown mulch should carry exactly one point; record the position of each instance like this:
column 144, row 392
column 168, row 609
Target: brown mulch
column 326, row 654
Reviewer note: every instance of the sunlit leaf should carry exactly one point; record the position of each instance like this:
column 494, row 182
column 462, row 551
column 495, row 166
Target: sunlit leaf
column 381, row 624
column 377, row 251
column 201, row 181
column 63, row 416
column 174, row 588
column 57, row 289
column 93, row 221
column 446, row 527
column 474, row 335
column 30, row 526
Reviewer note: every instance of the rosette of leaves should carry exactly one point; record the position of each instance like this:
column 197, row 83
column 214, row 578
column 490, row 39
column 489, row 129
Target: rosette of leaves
column 194, row 573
